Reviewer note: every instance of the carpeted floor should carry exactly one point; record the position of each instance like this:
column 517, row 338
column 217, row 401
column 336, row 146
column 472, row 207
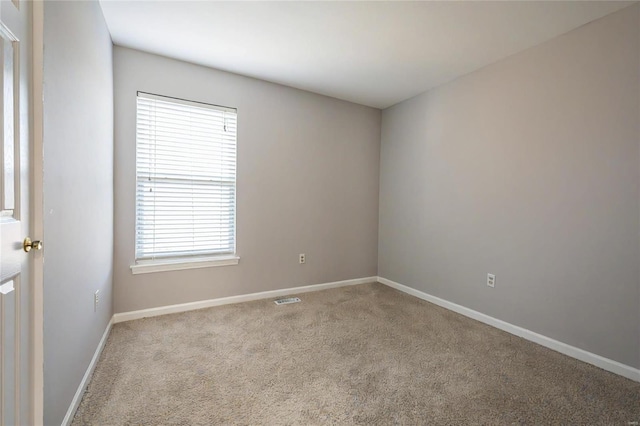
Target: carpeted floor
column 365, row 354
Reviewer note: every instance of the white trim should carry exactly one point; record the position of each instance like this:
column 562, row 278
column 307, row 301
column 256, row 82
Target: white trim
column 183, row 307
column 162, row 265
column 577, row 353
column 77, row 398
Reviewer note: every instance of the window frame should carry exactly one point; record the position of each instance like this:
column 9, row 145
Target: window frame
column 182, row 262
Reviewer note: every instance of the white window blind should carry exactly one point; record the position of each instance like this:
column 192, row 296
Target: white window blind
column 185, row 178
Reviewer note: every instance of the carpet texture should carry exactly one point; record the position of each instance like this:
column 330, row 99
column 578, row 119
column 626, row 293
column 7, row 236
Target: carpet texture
column 364, row 354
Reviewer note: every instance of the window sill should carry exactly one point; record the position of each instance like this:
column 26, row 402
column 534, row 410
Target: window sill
column 163, row 265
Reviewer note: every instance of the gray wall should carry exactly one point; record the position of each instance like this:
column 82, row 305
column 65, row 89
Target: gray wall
column 78, row 195
column 528, row 169
column 307, row 183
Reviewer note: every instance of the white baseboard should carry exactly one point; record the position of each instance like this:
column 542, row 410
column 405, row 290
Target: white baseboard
column 77, row 398
column 183, row 307
column 580, row 354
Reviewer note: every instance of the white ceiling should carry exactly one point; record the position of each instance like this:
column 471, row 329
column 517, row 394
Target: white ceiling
column 372, row 53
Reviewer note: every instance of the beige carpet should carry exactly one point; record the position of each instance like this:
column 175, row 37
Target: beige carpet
column 356, row 355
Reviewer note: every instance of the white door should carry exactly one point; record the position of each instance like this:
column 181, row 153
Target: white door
column 16, row 289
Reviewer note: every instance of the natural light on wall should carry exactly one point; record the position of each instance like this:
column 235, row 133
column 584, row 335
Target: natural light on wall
column 185, row 180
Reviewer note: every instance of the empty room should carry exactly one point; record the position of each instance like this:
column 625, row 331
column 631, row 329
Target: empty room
column 309, row 213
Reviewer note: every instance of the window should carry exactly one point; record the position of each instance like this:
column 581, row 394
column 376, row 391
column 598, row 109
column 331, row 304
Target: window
column 185, row 183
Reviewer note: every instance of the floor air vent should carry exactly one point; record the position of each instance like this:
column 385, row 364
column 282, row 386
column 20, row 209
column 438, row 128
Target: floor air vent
column 287, row 301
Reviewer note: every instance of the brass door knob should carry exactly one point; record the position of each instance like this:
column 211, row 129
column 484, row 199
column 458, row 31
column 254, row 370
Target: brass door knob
column 27, row 245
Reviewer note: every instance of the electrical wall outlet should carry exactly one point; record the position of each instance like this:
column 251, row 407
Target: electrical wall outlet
column 302, row 258
column 96, row 300
column 491, row 280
